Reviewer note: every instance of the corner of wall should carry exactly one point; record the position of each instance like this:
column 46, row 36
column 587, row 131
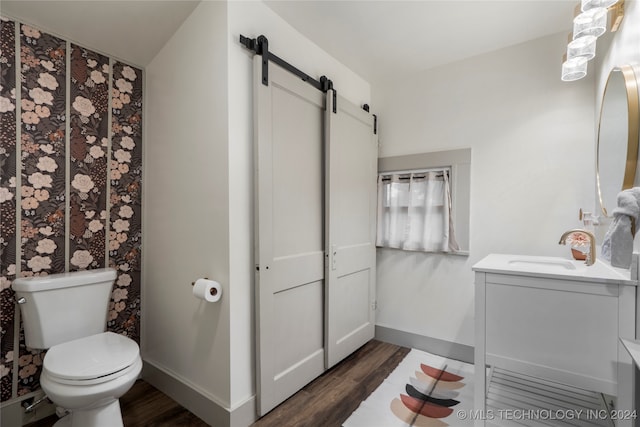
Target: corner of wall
column 187, row 214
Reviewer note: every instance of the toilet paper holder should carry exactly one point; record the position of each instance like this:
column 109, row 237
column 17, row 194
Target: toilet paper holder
column 212, row 291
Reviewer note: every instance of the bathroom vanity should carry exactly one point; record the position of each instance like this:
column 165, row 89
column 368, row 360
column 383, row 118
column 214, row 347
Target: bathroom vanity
column 557, row 320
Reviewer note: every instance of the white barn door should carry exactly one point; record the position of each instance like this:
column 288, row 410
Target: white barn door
column 289, row 250
column 351, row 163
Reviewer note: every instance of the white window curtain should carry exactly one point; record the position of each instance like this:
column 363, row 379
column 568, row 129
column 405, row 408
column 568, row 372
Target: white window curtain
column 414, row 211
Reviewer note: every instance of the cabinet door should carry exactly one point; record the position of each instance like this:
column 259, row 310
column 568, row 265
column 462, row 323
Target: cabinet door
column 351, row 168
column 561, row 330
column 289, row 250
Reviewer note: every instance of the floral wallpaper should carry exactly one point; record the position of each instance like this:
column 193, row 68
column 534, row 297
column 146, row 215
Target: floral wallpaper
column 7, row 201
column 43, row 68
column 125, row 235
column 43, row 187
column 88, row 154
column 42, row 131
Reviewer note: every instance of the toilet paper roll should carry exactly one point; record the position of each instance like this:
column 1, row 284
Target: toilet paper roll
column 208, row 290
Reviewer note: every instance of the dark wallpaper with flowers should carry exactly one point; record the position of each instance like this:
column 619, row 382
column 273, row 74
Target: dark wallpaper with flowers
column 51, row 131
column 88, row 153
column 7, row 201
column 43, row 101
column 43, row 68
column 126, row 198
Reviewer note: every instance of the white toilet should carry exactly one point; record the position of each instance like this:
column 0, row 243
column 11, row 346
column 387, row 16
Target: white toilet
column 85, row 370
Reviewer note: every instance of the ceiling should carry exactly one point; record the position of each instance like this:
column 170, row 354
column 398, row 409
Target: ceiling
column 375, row 38
column 132, row 31
column 384, row 38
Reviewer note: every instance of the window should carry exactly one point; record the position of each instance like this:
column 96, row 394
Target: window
column 414, row 211
column 423, row 202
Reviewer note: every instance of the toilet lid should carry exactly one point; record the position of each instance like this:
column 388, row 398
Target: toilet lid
column 91, row 357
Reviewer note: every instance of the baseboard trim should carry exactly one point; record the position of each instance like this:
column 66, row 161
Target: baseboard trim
column 208, row 410
column 437, row 346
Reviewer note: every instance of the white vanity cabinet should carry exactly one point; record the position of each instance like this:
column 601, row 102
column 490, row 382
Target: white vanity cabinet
column 557, row 320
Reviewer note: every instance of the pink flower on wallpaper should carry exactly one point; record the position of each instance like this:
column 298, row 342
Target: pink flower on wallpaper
column 95, row 226
column 81, row 259
column 124, row 280
column 115, row 174
column 5, row 194
column 45, row 231
column 46, row 246
column 47, row 164
column 120, row 225
column 30, row 118
column 125, row 98
column 27, row 371
column 30, row 32
column 97, row 77
column 124, row 86
column 41, row 195
column 40, row 96
column 42, row 111
column 46, row 80
column 122, row 156
column 48, row 65
column 125, row 211
column 127, row 142
column 116, row 103
column 83, row 106
column 47, row 148
column 39, row 180
column 82, row 183
column 27, row 104
column 119, row 294
column 129, row 73
column 96, row 152
column 29, row 203
column 6, row 105
column 39, row 263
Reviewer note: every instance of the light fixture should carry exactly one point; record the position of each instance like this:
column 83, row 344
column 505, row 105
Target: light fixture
column 592, row 4
column 593, row 22
column 617, row 13
column 590, row 22
column 582, row 47
column 574, row 69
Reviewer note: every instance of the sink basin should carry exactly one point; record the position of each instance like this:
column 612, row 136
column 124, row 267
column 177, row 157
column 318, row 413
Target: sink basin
column 543, row 263
column 554, row 267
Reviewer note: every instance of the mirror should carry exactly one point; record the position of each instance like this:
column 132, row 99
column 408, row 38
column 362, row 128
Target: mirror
column 618, row 137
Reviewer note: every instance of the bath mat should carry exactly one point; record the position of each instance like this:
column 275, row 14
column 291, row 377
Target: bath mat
column 424, row 390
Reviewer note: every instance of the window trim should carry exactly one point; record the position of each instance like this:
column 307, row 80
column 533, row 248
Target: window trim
column 459, row 162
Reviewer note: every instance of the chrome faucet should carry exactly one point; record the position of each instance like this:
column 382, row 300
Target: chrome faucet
column 591, row 256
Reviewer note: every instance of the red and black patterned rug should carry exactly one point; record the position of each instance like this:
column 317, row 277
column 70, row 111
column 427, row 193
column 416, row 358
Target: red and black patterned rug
column 424, row 390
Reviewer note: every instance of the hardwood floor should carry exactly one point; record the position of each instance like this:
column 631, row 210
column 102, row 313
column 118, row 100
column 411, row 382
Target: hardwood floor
column 331, row 398
column 327, row 401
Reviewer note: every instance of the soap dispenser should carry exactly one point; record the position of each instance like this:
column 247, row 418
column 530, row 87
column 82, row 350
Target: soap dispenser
column 588, row 221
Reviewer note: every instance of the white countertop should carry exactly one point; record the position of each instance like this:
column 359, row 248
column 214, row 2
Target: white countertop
column 554, row 268
column 633, row 347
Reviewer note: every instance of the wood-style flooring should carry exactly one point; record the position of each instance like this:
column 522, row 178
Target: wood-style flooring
column 326, row 402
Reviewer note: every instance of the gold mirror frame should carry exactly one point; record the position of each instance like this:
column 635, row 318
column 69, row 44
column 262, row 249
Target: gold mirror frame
column 633, row 136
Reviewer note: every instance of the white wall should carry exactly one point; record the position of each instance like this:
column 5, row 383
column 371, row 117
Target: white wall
column 186, row 204
column 532, row 160
column 252, row 19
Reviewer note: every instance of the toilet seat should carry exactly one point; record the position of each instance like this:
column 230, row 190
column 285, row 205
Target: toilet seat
column 91, row 360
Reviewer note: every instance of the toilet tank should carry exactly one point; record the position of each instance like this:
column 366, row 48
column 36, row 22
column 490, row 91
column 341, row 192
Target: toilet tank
column 63, row 307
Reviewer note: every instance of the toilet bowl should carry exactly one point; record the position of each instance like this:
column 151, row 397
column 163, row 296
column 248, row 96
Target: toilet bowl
column 87, row 376
column 86, row 369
